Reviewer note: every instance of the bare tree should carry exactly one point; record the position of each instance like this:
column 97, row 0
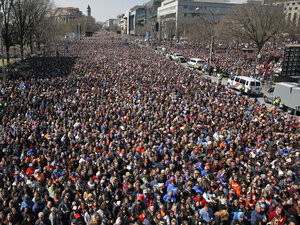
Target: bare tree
column 88, row 24
column 293, row 31
column 140, row 30
column 223, row 32
column 256, row 22
column 150, row 26
column 8, row 29
column 197, row 30
column 41, row 13
column 45, row 31
column 168, row 29
column 28, row 14
column 181, row 28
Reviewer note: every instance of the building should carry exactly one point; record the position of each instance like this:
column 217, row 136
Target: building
column 89, row 11
column 110, row 23
column 136, row 18
column 210, row 11
column 291, row 9
column 122, row 23
column 66, row 14
column 176, row 9
column 151, row 9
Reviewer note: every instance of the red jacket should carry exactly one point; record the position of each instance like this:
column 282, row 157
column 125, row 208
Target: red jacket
column 281, row 218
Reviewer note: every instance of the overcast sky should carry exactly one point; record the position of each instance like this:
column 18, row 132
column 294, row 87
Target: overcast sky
column 101, row 9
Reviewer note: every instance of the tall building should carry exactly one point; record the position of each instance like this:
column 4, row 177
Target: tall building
column 151, row 9
column 122, row 23
column 66, row 14
column 291, row 9
column 136, row 18
column 176, row 10
column 89, row 11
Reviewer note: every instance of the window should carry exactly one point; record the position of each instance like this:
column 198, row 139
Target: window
column 258, row 84
column 237, row 80
column 243, row 81
column 252, row 83
column 271, row 90
column 185, row 7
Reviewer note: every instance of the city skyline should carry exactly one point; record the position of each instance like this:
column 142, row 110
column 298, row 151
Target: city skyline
column 102, row 10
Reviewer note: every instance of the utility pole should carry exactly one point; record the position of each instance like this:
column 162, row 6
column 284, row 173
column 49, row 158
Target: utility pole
column 3, row 62
column 211, row 46
column 2, row 51
column 212, row 24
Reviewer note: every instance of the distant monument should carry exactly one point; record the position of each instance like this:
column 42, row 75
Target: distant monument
column 89, row 12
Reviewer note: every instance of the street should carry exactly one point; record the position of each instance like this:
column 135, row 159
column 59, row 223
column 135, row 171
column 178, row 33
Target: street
column 224, row 82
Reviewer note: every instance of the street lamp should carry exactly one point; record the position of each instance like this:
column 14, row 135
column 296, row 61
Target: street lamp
column 211, row 32
column 79, row 30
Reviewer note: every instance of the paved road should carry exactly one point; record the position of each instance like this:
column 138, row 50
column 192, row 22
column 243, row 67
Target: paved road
column 224, row 82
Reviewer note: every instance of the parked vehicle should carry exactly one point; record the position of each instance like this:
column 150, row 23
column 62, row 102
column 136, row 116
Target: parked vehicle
column 178, row 57
column 161, row 50
column 250, row 85
column 288, row 94
column 195, row 63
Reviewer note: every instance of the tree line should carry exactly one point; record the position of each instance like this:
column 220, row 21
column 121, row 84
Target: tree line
column 25, row 23
column 31, row 23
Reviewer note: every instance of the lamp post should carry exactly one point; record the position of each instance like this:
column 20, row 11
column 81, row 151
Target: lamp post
column 79, row 30
column 211, row 22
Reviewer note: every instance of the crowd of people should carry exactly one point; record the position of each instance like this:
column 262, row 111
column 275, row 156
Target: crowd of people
column 237, row 58
column 107, row 133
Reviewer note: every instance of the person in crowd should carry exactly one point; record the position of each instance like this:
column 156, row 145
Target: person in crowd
column 107, row 134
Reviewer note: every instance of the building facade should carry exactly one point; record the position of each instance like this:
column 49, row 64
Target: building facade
column 176, row 9
column 291, row 9
column 110, row 23
column 151, row 9
column 136, row 17
column 210, row 11
column 122, row 23
column 65, row 15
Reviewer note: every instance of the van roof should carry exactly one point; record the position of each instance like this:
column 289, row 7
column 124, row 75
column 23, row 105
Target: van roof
column 248, row 78
column 197, row 59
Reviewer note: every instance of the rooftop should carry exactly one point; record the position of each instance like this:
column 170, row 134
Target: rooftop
column 68, row 8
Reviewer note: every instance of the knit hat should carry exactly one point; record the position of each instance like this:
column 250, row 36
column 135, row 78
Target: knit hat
column 240, row 214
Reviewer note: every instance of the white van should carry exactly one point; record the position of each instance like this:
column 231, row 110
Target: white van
column 196, row 63
column 235, row 82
